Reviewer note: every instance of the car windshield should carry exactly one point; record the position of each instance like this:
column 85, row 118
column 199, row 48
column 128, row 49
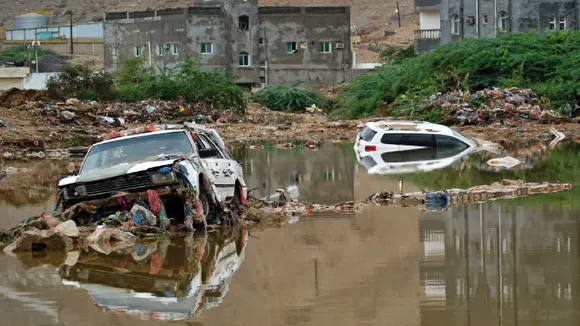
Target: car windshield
column 137, row 149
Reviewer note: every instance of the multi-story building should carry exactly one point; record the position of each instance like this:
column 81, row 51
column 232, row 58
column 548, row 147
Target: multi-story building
column 257, row 45
column 445, row 21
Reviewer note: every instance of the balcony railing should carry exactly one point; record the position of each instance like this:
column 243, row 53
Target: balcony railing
column 427, row 34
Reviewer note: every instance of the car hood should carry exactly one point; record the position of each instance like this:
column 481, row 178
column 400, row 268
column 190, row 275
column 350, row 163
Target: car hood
column 114, row 171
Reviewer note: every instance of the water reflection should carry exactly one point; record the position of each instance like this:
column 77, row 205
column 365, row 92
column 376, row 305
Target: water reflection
column 500, row 264
column 458, row 159
column 163, row 280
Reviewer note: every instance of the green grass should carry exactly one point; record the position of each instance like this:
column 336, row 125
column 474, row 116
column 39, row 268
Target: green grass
column 549, row 64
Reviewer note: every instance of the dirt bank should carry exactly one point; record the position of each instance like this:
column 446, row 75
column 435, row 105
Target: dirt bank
column 31, row 126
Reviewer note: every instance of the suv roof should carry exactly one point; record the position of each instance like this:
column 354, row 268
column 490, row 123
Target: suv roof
column 423, row 126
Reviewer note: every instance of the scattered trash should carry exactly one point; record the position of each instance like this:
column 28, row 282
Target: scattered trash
column 68, row 116
column 39, row 240
column 141, row 215
column 68, row 228
column 507, row 162
column 107, row 240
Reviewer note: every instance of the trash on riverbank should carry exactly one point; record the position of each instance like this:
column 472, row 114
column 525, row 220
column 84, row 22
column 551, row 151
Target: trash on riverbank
column 45, row 232
column 492, row 105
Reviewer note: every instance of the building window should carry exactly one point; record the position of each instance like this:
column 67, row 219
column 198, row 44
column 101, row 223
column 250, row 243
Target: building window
column 485, row 20
column 291, row 47
column 116, row 51
column 562, row 25
column 455, row 25
column 244, row 23
column 552, row 23
column 244, row 59
column 174, row 49
column 325, row 47
column 503, row 21
column 138, row 51
column 206, row 48
column 261, row 41
column 159, row 50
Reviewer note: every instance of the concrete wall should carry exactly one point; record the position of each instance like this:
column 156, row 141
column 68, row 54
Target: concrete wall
column 80, row 46
column 37, row 80
column 308, row 28
column 264, row 40
column 13, row 77
column 146, row 33
column 430, row 19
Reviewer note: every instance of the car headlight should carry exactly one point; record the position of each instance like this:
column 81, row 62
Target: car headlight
column 76, row 192
column 160, row 178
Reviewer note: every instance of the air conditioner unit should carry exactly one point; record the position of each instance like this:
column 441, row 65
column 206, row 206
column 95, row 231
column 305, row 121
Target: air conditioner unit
column 339, row 45
column 167, row 46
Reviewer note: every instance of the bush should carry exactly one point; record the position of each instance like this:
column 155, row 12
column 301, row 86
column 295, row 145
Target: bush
column 134, row 81
column 81, row 81
column 289, row 98
column 23, row 53
column 548, row 64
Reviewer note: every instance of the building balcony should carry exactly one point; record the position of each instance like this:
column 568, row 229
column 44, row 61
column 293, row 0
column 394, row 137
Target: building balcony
column 427, row 34
column 426, row 40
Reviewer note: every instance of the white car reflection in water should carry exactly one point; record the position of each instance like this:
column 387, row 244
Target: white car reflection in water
column 175, row 281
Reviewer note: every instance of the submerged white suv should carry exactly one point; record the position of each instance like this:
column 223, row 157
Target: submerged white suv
column 409, row 146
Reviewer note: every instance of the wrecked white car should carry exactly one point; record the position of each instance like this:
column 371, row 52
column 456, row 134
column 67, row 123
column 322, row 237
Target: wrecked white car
column 185, row 173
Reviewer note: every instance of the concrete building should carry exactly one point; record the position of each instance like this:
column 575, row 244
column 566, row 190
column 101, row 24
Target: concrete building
column 444, row 21
column 13, row 77
column 257, row 45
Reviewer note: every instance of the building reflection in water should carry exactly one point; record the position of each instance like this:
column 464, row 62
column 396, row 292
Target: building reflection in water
column 492, row 264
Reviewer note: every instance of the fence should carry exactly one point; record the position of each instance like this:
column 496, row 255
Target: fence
column 84, row 31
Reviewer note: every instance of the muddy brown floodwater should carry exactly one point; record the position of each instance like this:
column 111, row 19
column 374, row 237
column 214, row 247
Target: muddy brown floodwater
column 509, row 262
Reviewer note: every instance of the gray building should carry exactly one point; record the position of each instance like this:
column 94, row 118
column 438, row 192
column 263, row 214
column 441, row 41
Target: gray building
column 442, row 21
column 257, row 45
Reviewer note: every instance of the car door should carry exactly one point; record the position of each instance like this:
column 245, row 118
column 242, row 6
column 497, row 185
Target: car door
column 222, row 168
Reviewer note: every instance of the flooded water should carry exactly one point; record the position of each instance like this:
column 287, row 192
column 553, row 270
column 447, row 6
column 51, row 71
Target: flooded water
column 510, row 262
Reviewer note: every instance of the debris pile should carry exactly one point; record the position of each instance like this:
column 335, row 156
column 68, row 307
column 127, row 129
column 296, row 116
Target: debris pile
column 443, row 199
column 493, row 105
column 107, row 234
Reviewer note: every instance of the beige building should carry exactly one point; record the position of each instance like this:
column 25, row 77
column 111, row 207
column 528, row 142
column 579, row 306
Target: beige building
column 13, row 77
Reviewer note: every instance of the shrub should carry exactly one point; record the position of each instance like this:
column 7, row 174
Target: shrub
column 289, row 98
column 548, row 63
column 135, row 81
column 16, row 53
column 81, row 81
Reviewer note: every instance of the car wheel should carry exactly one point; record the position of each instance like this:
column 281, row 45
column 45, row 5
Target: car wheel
column 209, row 210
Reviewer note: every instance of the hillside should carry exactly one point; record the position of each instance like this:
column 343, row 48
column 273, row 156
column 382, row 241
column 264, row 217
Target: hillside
column 375, row 21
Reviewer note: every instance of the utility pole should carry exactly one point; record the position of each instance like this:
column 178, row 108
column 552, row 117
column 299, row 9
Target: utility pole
column 398, row 14
column 70, row 13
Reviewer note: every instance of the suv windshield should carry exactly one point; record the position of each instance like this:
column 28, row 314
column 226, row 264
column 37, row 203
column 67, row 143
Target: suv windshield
column 138, row 149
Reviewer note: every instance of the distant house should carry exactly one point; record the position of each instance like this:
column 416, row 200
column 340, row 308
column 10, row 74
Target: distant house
column 443, row 21
column 258, row 45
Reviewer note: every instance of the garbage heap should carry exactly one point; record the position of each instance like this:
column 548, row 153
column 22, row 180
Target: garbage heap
column 493, row 105
column 46, row 232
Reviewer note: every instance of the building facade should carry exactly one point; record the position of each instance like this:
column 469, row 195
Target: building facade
column 257, row 45
column 442, row 21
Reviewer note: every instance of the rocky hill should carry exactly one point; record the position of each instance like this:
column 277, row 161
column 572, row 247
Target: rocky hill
column 375, row 21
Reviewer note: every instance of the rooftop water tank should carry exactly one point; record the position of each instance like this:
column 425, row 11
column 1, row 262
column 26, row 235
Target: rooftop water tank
column 31, row 20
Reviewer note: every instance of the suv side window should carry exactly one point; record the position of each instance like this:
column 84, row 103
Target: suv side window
column 391, row 139
column 446, row 141
column 418, row 140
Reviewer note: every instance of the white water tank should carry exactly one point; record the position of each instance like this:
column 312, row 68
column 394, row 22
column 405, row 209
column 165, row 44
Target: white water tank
column 31, row 20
